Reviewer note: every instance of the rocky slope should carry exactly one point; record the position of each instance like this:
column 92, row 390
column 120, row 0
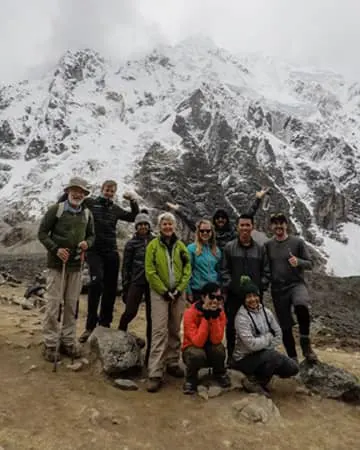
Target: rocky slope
column 191, row 124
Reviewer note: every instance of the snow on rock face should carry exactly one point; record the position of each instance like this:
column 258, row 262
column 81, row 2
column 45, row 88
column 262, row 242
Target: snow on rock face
column 191, row 124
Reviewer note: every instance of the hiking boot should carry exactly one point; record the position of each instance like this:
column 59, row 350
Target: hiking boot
column 175, row 371
column 223, row 380
column 72, row 351
column 308, row 352
column 252, row 386
column 190, row 387
column 49, row 354
column 295, row 359
column 85, row 336
column 153, row 384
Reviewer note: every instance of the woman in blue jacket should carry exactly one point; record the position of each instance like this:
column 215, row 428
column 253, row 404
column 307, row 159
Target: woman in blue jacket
column 205, row 259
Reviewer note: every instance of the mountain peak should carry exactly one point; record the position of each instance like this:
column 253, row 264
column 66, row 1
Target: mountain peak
column 191, row 124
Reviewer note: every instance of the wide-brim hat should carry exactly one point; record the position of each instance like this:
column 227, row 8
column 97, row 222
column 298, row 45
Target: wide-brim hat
column 79, row 183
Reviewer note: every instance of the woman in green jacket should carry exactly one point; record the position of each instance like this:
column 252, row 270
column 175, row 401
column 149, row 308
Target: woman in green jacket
column 168, row 271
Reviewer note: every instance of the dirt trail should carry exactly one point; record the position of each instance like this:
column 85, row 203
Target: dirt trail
column 66, row 410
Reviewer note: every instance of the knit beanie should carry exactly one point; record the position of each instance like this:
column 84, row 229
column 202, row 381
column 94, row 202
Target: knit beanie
column 142, row 218
column 248, row 286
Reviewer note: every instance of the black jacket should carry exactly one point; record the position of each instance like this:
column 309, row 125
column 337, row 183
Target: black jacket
column 106, row 214
column 241, row 260
column 133, row 268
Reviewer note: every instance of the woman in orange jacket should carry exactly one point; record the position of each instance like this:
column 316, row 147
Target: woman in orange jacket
column 204, row 326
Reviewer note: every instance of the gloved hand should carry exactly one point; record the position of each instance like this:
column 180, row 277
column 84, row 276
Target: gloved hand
column 214, row 314
column 168, row 296
column 176, row 294
column 129, row 196
column 207, row 314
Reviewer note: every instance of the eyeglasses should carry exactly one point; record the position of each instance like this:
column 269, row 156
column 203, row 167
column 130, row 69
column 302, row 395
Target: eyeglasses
column 208, row 231
column 220, row 298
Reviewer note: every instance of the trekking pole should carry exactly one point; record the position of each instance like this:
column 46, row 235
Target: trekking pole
column 82, row 260
column 62, row 286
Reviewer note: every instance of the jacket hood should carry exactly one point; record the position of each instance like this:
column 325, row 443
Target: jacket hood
column 220, row 213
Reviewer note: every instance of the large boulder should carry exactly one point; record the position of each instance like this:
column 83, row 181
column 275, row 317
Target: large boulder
column 330, row 382
column 117, row 350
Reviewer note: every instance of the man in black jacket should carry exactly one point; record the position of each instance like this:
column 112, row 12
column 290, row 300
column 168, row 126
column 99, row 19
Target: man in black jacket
column 242, row 256
column 103, row 259
column 135, row 285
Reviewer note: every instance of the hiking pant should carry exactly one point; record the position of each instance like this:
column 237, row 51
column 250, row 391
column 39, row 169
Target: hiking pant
column 104, row 272
column 285, row 299
column 69, row 297
column 210, row 355
column 264, row 364
column 165, row 336
column 133, row 299
column 232, row 305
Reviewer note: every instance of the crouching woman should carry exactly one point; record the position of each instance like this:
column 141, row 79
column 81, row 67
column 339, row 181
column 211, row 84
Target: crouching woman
column 204, row 326
column 257, row 336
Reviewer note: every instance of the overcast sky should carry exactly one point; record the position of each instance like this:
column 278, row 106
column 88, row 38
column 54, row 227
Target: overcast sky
column 323, row 33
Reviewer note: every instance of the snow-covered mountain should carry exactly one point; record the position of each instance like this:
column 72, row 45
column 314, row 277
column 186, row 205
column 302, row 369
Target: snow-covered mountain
column 191, row 124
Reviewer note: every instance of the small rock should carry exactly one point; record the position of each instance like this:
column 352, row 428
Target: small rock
column 126, row 385
column 227, row 444
column 76, row 367
column 115, row 421
column 95, row 414
column 302, row 390
column 186, row 423
column 84, row 361
column 30, row 369
column 27, row 305
column 203, row 392
column 256, row 408
column 214, row 391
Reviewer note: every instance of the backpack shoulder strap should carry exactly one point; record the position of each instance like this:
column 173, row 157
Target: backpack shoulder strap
column 87, row 214
column 60, row 210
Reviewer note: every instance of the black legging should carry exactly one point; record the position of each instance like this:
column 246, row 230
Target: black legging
column 303, row 317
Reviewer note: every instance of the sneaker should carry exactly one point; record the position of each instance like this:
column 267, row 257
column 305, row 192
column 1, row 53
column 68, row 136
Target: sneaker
column 153, row 384
column 190, row 387
column 252, row 386
column 49, row 354
column 72, row 351
column 175, row 371
column 85, row 336
column 223, row 380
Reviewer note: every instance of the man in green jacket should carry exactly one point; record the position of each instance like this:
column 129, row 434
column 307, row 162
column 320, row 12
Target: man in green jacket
column 66, row 231
column 168, row 271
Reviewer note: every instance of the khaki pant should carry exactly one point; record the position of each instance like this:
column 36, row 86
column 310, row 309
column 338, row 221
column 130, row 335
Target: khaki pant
column 165, row 337
column 69, row 298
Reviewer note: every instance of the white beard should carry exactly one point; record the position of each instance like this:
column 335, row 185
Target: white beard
column 75, row 201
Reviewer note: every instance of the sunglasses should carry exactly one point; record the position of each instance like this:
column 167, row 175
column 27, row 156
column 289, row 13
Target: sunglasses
column 280, row 216
column 208, row 231
column 220, row 298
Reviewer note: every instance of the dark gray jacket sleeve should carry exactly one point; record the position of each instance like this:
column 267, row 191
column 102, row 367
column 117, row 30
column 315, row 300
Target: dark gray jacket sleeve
column 186, row 217
column 128, row 216
column 304, row 258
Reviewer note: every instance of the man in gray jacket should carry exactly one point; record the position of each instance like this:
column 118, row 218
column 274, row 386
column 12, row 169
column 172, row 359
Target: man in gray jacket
column 288, row 259
column 257, row 336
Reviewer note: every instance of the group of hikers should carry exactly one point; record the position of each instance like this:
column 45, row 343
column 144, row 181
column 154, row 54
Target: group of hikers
column 215, row 284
